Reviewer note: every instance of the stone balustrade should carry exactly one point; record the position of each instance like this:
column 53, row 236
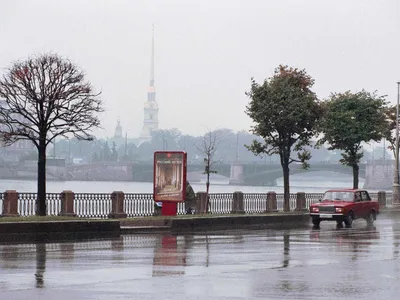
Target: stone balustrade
column 120, row 205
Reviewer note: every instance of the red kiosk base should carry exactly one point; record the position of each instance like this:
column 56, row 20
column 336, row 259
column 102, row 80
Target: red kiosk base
column 169, row 208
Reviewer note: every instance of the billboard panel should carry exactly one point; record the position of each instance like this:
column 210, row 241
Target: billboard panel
column 169, row 182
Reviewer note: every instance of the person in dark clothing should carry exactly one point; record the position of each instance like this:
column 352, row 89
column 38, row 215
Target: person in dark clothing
column 190, row 201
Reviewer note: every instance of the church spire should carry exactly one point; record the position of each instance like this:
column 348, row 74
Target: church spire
column 152, row 60
column 150, row 120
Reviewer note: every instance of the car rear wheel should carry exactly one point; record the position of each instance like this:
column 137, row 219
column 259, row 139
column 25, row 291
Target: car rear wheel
column 348, row 220
column 339, row 223
column 371, row 218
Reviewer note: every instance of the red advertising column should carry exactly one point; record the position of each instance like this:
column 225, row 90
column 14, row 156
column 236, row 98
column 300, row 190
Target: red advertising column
column 169, row 208
column 169, row 183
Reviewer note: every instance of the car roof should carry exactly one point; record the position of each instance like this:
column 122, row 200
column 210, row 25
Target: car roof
column 345, row 190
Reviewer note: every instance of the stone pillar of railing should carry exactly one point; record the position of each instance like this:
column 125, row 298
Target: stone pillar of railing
column 201, row 203
column 237, row 204
column 10, row 204
column 117, row 205
column 271, row 202
column 382, row 199
column 301, row 201
column 67, row 204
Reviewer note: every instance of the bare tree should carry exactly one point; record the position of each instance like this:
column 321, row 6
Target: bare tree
column 208, row 147
column 45, row 97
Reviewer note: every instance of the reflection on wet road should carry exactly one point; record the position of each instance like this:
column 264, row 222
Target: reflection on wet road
column 329, row 263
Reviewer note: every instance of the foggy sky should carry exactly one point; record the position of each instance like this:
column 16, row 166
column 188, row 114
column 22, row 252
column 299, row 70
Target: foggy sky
column 206, row 51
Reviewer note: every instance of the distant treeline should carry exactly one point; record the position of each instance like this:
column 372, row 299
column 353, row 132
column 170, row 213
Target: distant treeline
column 230, row 147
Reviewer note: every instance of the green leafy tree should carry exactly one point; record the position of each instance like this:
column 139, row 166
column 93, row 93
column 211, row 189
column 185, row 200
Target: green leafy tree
column 285, row 112
column 351, row 119
column 390, row 132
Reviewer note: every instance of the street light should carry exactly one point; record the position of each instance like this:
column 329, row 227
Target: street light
column 396, row 186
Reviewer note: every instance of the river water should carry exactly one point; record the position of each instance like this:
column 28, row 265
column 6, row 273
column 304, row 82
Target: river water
column 316, row 182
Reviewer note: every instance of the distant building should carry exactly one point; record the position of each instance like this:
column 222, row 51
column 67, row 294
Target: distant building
column 150, row 120
column 78, row 161
column 118, row 130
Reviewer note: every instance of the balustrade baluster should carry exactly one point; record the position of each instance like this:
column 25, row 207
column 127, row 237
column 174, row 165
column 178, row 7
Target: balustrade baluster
column 1, row 203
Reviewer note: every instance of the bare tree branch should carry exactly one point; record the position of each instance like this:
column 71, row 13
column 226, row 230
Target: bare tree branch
column 208, row 147
column 46, row 95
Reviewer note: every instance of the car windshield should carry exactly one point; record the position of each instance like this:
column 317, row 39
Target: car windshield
column 339, row 196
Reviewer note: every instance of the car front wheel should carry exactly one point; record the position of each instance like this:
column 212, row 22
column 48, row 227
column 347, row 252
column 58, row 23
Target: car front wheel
column 316, row 222
column 348, row 220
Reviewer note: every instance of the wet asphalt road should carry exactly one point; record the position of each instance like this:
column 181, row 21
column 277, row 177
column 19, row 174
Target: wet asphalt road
column 329, row 263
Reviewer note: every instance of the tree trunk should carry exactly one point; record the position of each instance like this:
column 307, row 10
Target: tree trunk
column 284, row 154
column 207, row 189
column 41, row 179
column 286, row 188
column 355, row 176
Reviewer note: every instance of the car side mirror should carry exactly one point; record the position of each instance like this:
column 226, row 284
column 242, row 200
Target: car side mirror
column 319, row 199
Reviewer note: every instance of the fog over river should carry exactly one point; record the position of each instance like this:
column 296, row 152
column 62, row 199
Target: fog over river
column 313, row 182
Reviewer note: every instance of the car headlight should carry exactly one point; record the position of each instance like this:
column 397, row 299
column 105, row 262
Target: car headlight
column 315, row 209
column 339, row 209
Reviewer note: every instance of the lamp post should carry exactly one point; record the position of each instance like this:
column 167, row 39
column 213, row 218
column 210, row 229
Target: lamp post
column 396, row 186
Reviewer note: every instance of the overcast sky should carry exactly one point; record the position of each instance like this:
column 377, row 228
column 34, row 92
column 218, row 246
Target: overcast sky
column 207, row 51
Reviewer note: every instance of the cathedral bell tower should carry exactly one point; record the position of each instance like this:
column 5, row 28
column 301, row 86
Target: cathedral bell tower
column 150, row 121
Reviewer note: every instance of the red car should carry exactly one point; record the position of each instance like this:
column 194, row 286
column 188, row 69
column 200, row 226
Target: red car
column 344, row 205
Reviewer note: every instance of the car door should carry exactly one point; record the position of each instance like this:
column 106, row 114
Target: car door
column 366, row 203
column 358, row 205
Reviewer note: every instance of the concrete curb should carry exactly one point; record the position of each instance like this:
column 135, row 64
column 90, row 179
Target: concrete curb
column 390, row 209
column 144, row 229
column 209, row 223
column 51, row 231
column 241, row 222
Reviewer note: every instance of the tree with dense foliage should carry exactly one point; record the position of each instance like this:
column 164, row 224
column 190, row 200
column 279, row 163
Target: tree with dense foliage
column 45, row 97
column 390, row 133
column 351, row 119
column 285, row 111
